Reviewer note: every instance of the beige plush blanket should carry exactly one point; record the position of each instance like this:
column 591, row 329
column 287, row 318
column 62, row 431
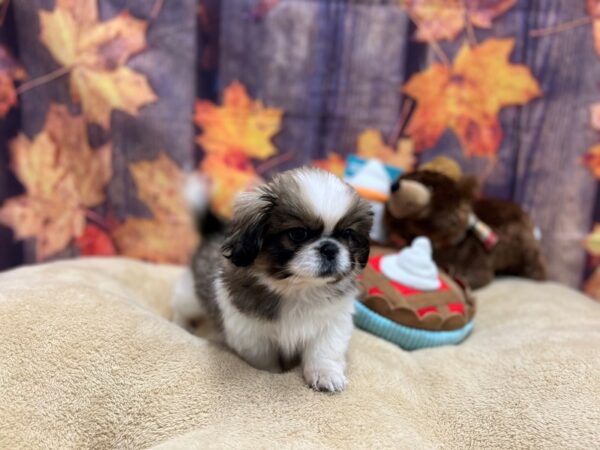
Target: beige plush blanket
column 88, row 359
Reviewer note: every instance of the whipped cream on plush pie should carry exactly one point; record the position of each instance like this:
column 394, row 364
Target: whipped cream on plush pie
column 413, row 266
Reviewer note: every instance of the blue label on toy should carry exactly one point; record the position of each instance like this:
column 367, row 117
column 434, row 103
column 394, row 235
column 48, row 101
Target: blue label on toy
column 354, row 164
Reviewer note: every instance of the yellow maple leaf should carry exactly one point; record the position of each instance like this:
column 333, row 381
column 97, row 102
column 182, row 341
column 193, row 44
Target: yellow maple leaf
column 91, row 169
column 371, row 145
column 156, row 241
column 159, row 184
column 227, row 181
column 240, row 126
column 468, row 96
column 168, row 236
column 445, row 19
column 94, row 52
column 334, row 163
column 51, row 208
column 592, row 241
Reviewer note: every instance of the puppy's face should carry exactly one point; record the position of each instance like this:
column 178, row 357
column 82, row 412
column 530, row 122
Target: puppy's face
column 306, row 224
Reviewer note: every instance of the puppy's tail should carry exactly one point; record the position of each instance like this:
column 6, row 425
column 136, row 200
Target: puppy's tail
column 197, row 196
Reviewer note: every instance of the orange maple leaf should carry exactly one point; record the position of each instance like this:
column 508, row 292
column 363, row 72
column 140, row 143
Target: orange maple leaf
column 91, row 169
column 227, row 182
column 10, row 71
column 169, row 235
column 468, row 96
column 334, row 163
column 241, row 128
column 595, row 116
column 593, row 9
column 592, row 160
column 51, row 209
column 95, row 53
column 592, row 285
column 371, row 145
column 445, row 19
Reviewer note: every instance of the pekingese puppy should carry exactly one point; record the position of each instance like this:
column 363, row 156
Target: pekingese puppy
column 280, row 280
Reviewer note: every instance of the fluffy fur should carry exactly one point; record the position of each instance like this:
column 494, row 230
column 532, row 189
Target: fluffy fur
column 280, row 282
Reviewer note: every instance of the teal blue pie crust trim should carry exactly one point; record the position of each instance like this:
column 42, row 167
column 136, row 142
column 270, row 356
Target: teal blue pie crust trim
column 406, row 337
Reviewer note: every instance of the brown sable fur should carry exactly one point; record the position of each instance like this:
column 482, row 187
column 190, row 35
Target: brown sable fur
column 444, row 217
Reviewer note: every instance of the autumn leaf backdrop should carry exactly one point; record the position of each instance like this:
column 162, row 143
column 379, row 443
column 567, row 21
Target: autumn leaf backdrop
column 106, row 104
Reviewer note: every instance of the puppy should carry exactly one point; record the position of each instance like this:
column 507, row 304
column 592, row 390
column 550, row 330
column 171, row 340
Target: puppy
column 280, row 281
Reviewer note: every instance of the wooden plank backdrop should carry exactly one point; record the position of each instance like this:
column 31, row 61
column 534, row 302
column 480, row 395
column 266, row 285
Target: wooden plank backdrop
column 335, row 68
column 555, row 132
column 169, row 64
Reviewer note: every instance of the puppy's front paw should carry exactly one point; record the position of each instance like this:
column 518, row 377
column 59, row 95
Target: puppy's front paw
column 326, row 380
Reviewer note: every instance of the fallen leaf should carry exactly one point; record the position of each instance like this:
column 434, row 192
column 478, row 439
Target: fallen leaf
column 592, row 286
column 593, row 9
column 371, row 145
column 445, row 19
column 227, row 182
column 95, row 242
column 8, row 95
column 592, row 160
column 595, row 116
column 10, row 71
column 91, row 169
column 468, row 96
column 159, row 184
column 241, row 128
column 95, row 53
column 334, row 163
column 51, row 209
column 592, row 241
column 153, row 240
column 169, row 236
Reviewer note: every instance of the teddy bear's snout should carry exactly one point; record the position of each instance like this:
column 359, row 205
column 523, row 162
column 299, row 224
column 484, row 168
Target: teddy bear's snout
column 408, row 197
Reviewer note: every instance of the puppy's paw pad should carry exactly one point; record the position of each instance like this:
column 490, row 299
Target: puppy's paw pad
column 326, row 380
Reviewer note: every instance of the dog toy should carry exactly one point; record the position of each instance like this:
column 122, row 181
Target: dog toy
column 409, row 301
column 372, row 180
column 473, row 238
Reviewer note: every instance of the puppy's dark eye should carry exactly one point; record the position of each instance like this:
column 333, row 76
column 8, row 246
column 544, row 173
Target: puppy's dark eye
column 348, row 233
column 298, row 234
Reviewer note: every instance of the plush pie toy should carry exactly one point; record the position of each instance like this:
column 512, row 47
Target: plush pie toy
column 407, row 300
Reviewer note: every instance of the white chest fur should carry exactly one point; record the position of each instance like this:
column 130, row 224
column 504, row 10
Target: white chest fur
column 307, row 313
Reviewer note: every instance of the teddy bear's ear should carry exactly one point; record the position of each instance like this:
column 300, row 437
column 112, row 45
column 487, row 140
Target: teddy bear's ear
column 469, row 187
column 445, row 166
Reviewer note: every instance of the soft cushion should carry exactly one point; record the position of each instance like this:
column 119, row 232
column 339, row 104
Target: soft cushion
column 90, row 359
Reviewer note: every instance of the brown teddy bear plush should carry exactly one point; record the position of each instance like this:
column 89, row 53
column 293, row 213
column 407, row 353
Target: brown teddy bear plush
column 473, row 239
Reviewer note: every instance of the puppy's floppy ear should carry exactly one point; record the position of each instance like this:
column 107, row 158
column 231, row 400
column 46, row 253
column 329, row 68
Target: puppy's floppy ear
column 248, row 227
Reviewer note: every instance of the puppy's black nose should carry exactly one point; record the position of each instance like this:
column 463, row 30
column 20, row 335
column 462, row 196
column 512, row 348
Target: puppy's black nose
column 329, row 250
column 396, row 185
